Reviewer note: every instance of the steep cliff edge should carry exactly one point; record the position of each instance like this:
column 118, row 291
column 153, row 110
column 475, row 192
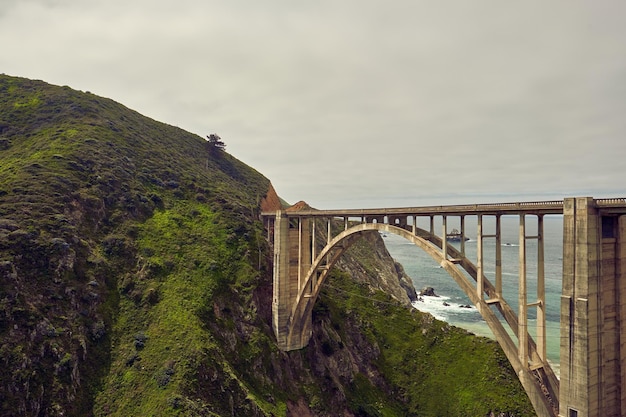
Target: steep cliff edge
column 135, row 279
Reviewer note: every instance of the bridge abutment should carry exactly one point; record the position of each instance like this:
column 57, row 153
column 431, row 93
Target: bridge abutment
column 593, row 311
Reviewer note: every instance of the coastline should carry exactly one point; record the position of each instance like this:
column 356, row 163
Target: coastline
column 477, row 326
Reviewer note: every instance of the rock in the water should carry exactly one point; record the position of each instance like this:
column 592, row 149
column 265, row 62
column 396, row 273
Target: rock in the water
column 428, row 291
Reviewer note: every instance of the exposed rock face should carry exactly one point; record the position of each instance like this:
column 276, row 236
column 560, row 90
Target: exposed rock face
column 377, row 268
column 300, row 205
column 406, row 282
column 271, row 201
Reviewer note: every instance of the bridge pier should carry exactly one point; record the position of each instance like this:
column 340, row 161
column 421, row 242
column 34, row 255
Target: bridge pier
column 292, row 261
column 593, row 311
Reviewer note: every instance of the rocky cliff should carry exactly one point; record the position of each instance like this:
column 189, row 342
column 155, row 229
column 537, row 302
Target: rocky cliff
column 369, row 262
column 135, row 279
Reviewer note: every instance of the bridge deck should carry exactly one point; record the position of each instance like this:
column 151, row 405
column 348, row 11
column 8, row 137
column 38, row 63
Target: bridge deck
column 550, row 207
column 536, row 207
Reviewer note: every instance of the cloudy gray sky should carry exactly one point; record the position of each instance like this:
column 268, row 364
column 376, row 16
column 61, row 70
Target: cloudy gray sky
column 359, row 103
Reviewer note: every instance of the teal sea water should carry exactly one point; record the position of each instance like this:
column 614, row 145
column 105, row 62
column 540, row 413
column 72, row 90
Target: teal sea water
column 425, row 272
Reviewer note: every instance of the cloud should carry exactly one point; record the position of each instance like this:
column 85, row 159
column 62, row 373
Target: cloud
column 344, row 103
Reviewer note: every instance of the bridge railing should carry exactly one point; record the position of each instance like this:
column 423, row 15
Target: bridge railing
column 538, row 207
column 611, row 202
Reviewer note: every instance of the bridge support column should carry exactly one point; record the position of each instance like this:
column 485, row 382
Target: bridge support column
column 542, row 348
column 280, row 298
column 479, row 258
column 498, row 258
column 522, row 325
column 292, row 260
column 593, row 347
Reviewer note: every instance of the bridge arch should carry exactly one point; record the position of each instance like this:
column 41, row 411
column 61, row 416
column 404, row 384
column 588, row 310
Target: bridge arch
column 533, row 370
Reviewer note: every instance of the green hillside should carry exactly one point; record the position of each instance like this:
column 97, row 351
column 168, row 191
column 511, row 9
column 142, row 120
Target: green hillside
column 135, row 280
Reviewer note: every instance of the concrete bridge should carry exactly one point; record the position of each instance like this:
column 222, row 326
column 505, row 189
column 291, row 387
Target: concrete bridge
column 308, row 242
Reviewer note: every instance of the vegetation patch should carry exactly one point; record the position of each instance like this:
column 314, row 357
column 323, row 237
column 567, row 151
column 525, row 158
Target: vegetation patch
column 433, row 368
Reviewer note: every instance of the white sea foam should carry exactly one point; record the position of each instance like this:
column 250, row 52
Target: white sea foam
column 442, row 307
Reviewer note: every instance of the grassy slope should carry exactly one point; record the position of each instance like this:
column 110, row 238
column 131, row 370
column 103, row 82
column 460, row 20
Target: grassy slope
column 79, row 177
column 436, row 369
column 135, row 280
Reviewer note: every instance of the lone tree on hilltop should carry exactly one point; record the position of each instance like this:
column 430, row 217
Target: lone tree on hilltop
column 215, row 142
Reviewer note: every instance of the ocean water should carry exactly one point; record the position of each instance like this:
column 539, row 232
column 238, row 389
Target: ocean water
column 425, row 272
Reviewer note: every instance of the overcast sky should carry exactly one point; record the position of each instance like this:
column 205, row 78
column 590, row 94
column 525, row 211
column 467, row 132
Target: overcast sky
column 346, row 103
